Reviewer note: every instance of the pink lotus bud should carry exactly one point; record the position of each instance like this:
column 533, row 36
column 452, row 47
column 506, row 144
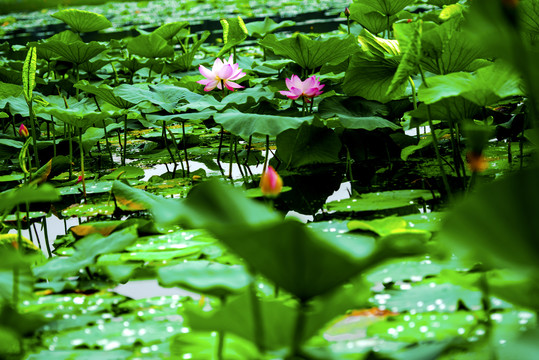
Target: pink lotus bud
column 271, row 183
column 23, row 131
column 79, row 179
column 347, row 12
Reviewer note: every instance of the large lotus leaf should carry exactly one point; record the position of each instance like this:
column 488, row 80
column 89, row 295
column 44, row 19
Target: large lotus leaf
column 379, row 201
column 82, row 116
column 293, row 256
column 166, row 96
column 498, row 223
column 456, row 109
column 212, row 204
column 369, row 18
column 17, row 105
column 409, row 36
column 206, row 277
column 83, row 21
column 449, row 47
column 278, row 317
column 310, row 54
column 105, row 92
column 386, row 7
column 66, row 36
column 378, row 46
column 308, row 145
column 528, row 14
column 238, row 99
column 486, row 86
column 369, row 76
column 150, row 46
column 441, row 3
column 356, row 113
column 7, row 90
column 234, row 33
column 128, row 198
column 246, row 124
column 27, row 194
column 259, row 29
column 87, row 249
column 168, row 31
column 76, row 52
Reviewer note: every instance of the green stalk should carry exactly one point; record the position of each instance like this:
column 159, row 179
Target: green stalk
column 16, row 267
column 232, row 140
column 82, row 165
column 125, row 141
column 257, row 319
column 414, row 98
column 174, row 142
column 164, row 134
column 267, row 154
column 219, row 149
column 185, row 148
column 34, row 132
column 299, row 329
column 70, row 151
column 435, row 141
column 53, row 137
column 46, row 231
column 222, row 333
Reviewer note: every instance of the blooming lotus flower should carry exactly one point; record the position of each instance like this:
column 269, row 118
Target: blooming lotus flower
column 308, row 89
column 222, row 73
column 271, row 183
column 23, row 131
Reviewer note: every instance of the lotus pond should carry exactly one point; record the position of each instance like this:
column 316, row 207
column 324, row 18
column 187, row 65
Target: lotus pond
column 270, row 180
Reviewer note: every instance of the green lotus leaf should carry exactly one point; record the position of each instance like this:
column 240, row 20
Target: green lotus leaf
column 150, row 46
column 308, row 145
column 76, row 52
column 485, row 87
column 104, row 92
column 82, row 21
column 234, row 33
column 369, row 18
column 247, row 124
column 310, row 54
column 206, row 277
column 259, row 29
column 386, row 7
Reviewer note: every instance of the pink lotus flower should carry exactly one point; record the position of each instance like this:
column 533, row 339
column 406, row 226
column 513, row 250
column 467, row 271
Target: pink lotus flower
column 222, row 73
column 23, row 131
column 308, row 89
column 271, row 183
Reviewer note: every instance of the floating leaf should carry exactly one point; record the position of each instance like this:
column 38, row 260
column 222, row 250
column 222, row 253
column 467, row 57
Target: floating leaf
column 380, row 201
column 206, row 277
